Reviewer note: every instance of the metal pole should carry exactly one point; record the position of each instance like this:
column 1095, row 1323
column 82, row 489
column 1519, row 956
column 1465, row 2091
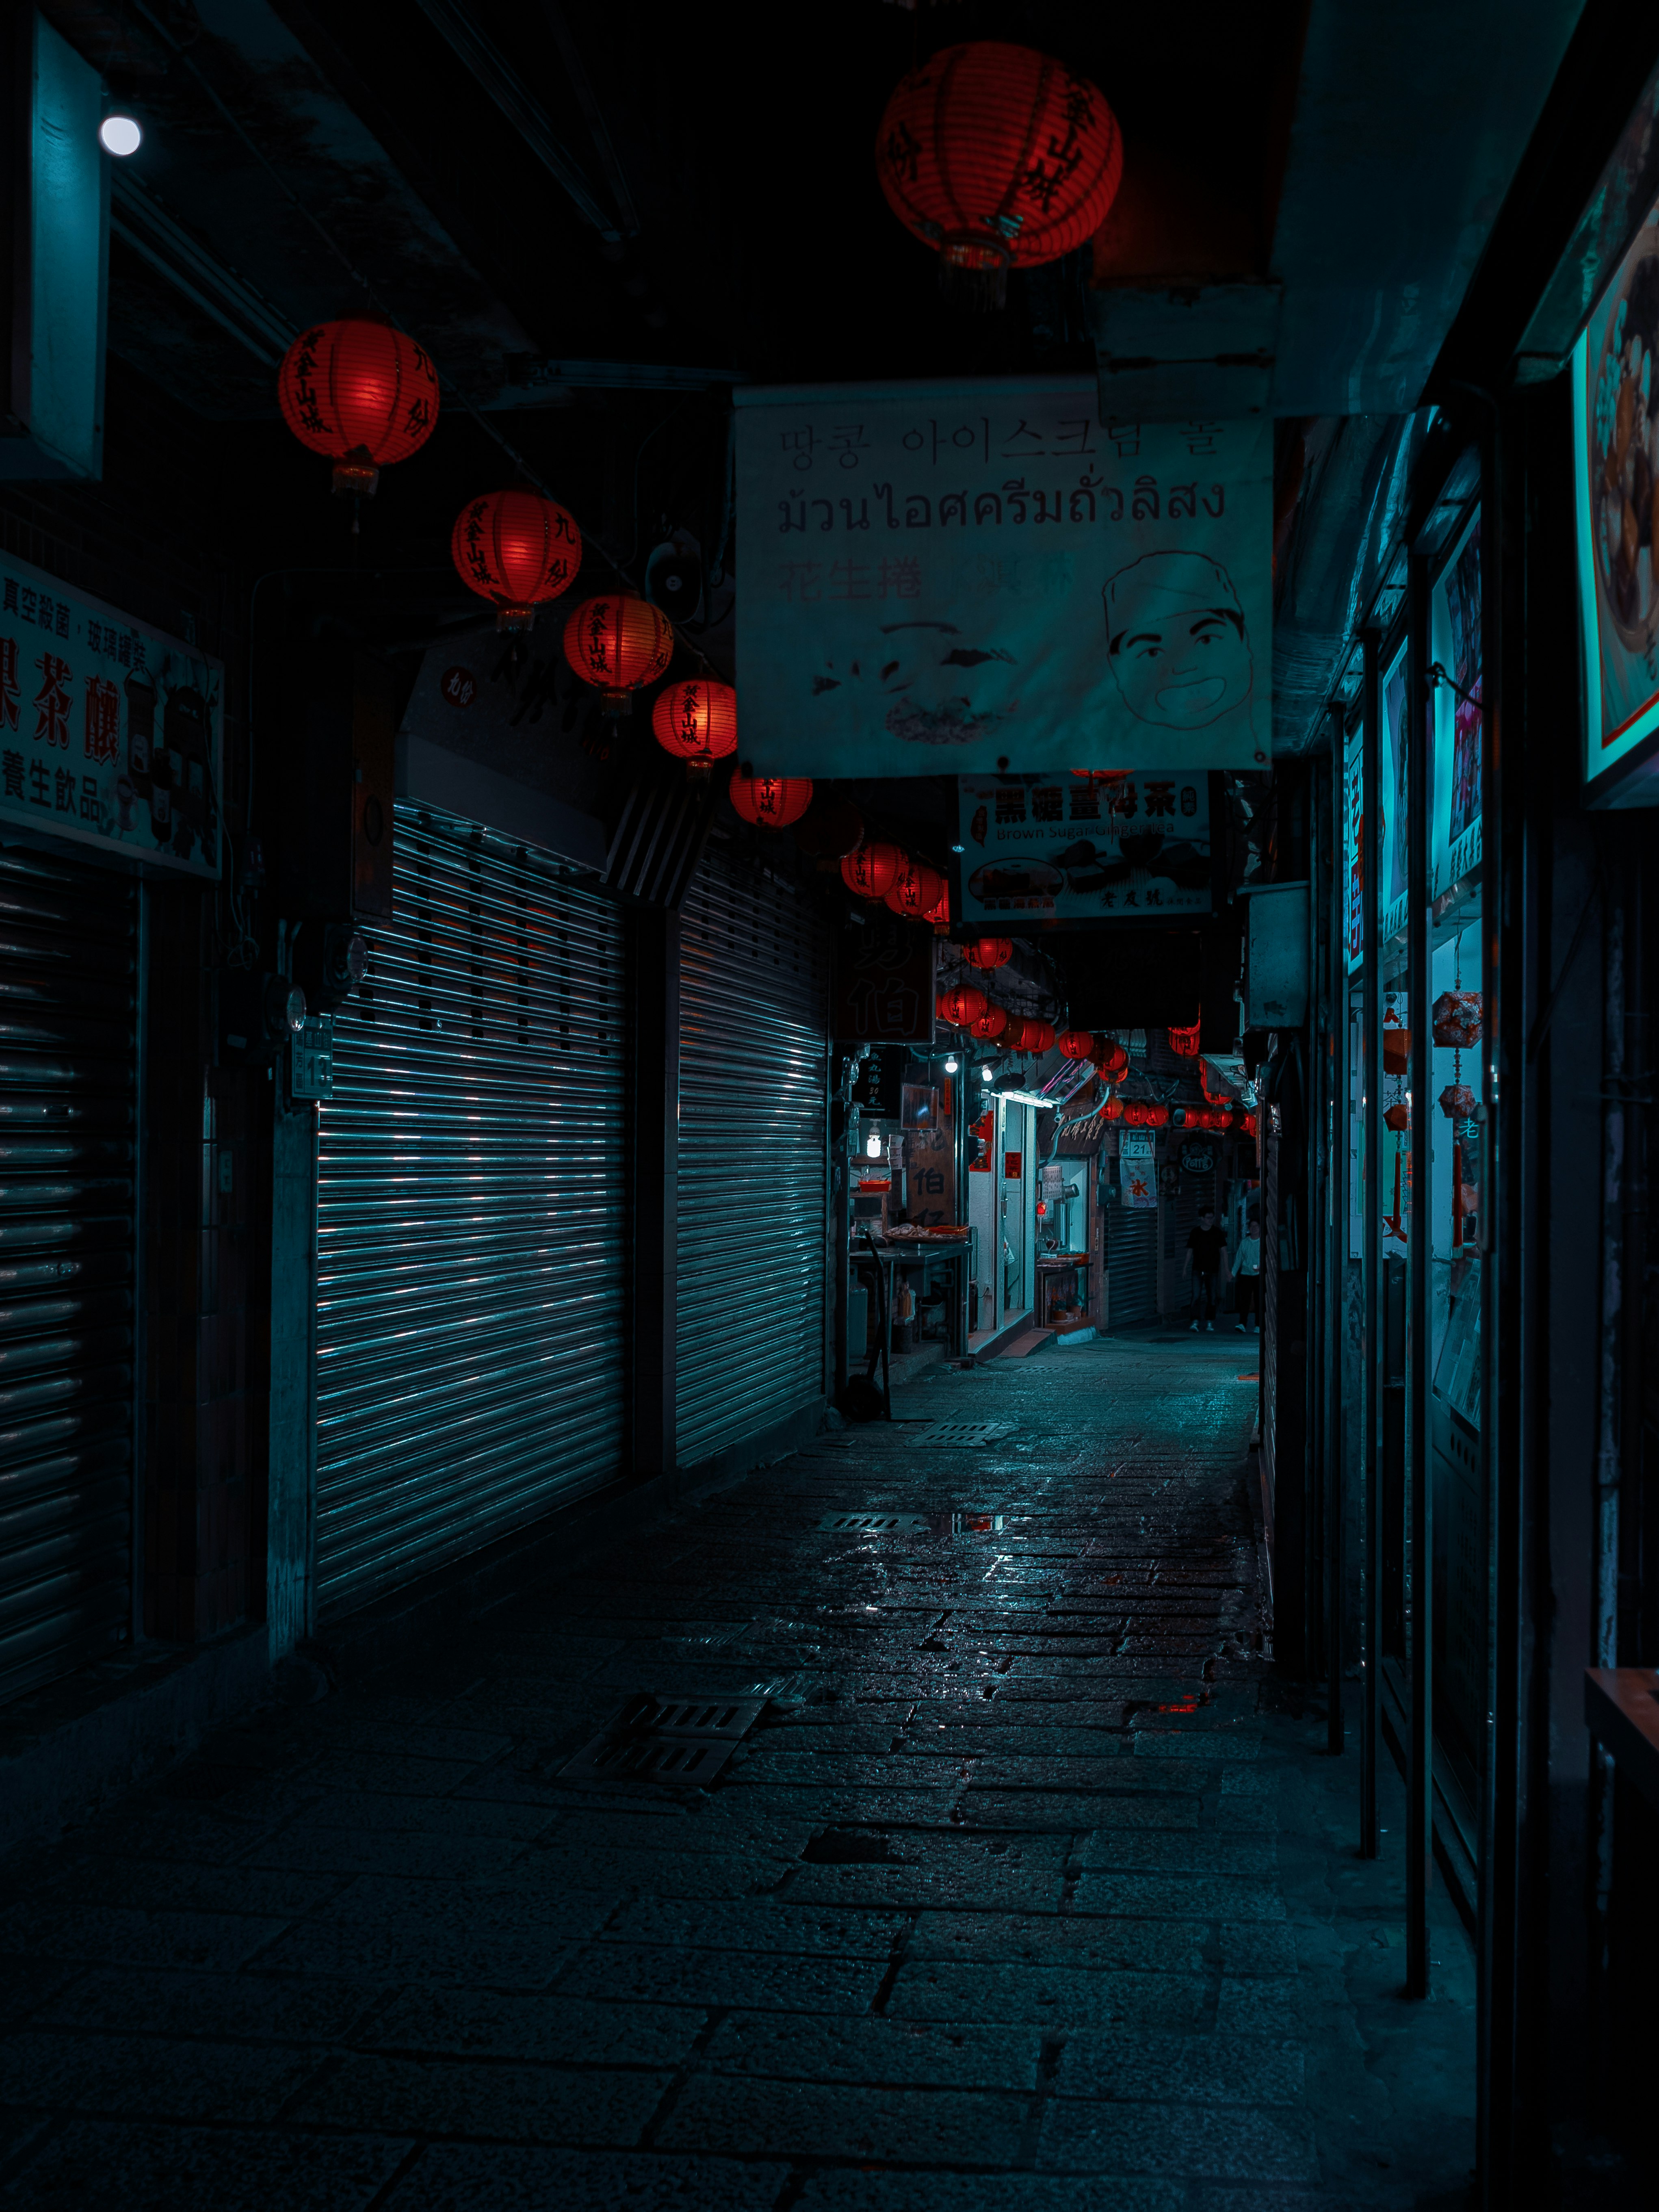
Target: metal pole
column 1335, row 1057
column 1370, row 1403
column 1419, row 1551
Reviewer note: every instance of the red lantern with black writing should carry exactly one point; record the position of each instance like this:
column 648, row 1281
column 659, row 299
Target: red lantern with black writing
column 361, row 393
column 963, row 1005
column 1113, row 1109
column 998, row 158
column 1035, row 1035
column 517, row 550
column 1183, row 1043
column 617, row 644
column 915, row 891
column 874, row 870
column 771, row 802
column 697, row 722
column 1075, row 1044
column 989, row 952
column 993, row 1026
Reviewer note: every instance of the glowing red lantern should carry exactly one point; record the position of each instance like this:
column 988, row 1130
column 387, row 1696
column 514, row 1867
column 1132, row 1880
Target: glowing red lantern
column 915, row 891
column 1076, row 1044
column 517, row 550
column 1113, row 1109
column 999, row 158
column 1183, row 1043
column 1035, row 1035
column 874, row 870
column 771, row 802
column 939, row 912
column 697, row 721
column 618, row 643
column 359, row 392
column 1249, row 1125
column 989, row 952
column 1156, row 1117
column 994, row 1023
column 963, row 1005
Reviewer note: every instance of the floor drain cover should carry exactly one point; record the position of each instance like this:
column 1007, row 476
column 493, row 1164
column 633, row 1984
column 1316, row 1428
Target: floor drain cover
column 875, row 1524
column 676, row 1743
column 931, row 1434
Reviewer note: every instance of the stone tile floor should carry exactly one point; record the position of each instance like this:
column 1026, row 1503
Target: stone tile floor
column 1035, row 1890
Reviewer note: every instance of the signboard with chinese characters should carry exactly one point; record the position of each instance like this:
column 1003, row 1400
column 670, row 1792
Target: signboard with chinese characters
column 1136, row 1176
column 1454, row 640
column 930, row 1176
column 884, row 986
column 1069, row 848
column 974, row 575
column 111, row 732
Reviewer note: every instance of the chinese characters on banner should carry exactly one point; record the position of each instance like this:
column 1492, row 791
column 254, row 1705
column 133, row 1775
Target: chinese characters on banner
column 1137, row 1173
column 1070, row 849
column 930, row 1176
column 110, row 731
column 967, row 576
column 883, row 983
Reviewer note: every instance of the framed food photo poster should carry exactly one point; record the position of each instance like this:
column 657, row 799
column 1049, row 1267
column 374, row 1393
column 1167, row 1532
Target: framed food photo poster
column 1615, row 391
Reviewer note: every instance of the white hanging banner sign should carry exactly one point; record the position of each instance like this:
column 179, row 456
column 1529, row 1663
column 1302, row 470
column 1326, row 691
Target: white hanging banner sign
column 978, row 576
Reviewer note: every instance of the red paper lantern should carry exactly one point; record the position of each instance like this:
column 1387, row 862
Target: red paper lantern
column 618, row 643
column 1249, row 1125
column 915, row 891
column 994, row 1023
column 989, row 952
column 1076, row 1044
column 1035, row 1035
column 874, row 870
column 771, row 802
column 939, row 912
column 1183, row 1043
column 359, row 392
column 1113, row 1109
column 697, row 721
column 517, row 550
column 999, row 158
column 963, row 1005
column 1156, row 1117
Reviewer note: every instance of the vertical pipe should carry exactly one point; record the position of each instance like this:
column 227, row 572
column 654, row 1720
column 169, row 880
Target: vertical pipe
column 1633, row 1242
column 1370, row 1405
column 140, row 1270
column 1316, row 1646
column 1334, row 1054
column 1419, row 1781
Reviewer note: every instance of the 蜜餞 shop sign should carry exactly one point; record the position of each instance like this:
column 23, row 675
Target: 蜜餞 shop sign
column 110, row 731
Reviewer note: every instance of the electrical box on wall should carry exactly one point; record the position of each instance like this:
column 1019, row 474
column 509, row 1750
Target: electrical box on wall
column 54, row 222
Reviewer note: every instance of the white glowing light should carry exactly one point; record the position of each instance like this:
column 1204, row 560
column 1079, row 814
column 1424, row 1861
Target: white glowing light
column 985, row 1075
column 951, row 1065
column 120, row 135
column 872, row 1147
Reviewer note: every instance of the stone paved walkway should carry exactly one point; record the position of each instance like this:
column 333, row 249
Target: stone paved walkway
column 1032, row 1893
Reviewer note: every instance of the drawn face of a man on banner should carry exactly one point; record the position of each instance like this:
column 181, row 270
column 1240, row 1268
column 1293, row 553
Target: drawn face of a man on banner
column 1176, row 631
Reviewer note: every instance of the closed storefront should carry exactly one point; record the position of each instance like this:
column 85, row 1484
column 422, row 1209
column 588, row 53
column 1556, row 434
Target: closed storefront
column 752, row 1274
column 1131, row 1265
column 473, row 1284
column 70, row 979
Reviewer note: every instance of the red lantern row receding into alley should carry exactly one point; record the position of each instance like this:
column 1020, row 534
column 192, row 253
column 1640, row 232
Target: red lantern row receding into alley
column 361, row 391
column 998, row 157
column 989, row 952
column 873, row 871
column 619, row 643
column 516, row 550
column 961, row 1006
column 771, row 802
column 697, row 722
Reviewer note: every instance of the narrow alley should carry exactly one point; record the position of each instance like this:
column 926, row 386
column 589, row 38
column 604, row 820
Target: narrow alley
column 1033, row 1887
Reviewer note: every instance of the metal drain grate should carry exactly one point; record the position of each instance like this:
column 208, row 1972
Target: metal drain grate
column 962, row 1434
column 670, row 1742
column 875, row 1524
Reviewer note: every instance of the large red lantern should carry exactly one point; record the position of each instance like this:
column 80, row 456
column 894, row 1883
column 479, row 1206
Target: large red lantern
column 1035, row 1035
column 1114, row 1110
column 771, row 802
column 1076, row 1044
column 989, row 952
column 915, row 891
column 696, row 721
column 517, row 550
column 359, row 392
column 874, row 870
column 963, row 1005
column 999, row 158
column 994, row 1025
column 1183, row 1043
column 618, row 643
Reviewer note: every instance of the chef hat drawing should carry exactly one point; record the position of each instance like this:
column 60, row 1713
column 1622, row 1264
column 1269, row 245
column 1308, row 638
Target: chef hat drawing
column 1160, row 585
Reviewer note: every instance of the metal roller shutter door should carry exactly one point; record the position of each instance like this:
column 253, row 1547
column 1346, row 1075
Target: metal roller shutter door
column 754, row 989
column 1131, row 1266
column 473, row 1288
column 69, row 979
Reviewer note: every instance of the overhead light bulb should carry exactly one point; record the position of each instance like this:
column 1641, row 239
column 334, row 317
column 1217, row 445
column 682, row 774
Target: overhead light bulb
column 119, row 134
column 951, row 1065
column 985, row 1074
column 872, row 1147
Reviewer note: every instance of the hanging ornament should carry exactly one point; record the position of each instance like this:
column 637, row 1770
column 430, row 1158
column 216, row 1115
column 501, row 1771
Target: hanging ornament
column 1036, row 1035
column 618, row 643
column 1396, row 1051
column 993, row 1026
column 1076, row 1044
column 1457, row 1102
column 1398, row 1117
column 998, row 158
column 361, row 393
column 1110, row 1058
column 1455, row 1019
column 697, row 722
column 771, row 802
column 1183, row 1043
column 873, row 871
column 915, row 891
column 516, row 550
column 1156, row 1117
column 963, row 1005
column 1113, row 1108
column 989, row 952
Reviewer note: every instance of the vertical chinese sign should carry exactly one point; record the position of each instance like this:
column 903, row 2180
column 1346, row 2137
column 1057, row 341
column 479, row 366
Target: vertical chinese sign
column 1136, row 1168
column 963, row 577
column 111, row 732
column 884, row 986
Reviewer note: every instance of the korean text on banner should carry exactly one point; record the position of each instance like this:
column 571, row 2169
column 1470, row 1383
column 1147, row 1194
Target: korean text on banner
column 110, row 731
column 969, row 576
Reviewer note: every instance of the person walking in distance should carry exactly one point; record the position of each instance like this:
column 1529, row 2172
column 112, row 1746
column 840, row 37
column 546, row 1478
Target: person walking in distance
column 1205, row 1260
column 1247, row 1273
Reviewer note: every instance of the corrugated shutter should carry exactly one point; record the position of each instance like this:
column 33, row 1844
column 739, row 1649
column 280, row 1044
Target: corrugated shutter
column 754, row 983
column 1131, row 1265
column 472, row 1244
column 69, row 1098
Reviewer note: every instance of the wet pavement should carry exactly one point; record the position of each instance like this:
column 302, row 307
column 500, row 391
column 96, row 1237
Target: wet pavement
column 1032, row 1889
